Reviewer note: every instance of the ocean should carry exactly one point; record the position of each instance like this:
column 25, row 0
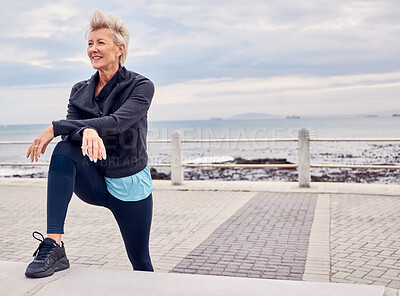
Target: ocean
column 321, row 152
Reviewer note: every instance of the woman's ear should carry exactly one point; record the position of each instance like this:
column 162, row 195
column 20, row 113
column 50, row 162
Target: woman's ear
column 121, row 49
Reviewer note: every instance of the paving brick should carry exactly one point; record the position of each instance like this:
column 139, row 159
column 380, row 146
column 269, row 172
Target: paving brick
column 375, row 273
column 388, row 262
column 359, row 274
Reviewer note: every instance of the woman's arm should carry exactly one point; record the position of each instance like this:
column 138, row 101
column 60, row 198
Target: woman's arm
column 92, row 143
column 134, row 108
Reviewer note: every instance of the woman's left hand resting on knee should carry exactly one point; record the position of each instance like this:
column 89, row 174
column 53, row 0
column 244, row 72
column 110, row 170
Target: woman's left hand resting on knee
column 39, row 145
column 93, row 145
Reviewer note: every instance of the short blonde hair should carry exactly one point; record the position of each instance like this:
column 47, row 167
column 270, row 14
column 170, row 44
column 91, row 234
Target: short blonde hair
column 119, row 31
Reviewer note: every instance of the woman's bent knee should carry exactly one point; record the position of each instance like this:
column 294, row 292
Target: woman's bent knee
column 68, row 148
column 65, row 147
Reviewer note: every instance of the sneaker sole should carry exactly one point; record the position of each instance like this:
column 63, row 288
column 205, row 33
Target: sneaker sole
column 58, row 266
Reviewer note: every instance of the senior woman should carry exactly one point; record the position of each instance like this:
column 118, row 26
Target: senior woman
column 102, row 157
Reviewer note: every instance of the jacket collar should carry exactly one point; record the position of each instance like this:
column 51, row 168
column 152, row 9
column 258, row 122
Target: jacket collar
column 84, row 97
column 108, row 88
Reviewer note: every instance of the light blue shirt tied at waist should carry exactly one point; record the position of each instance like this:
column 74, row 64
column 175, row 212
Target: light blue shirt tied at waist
column 132, row 188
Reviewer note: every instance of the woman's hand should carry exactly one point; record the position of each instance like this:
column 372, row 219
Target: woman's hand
column 93, row 145
column 39, row 145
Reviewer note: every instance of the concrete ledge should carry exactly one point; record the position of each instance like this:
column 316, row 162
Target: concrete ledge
column 316, row 187
column 318, row 263
column 206, row 185
column 92, row 281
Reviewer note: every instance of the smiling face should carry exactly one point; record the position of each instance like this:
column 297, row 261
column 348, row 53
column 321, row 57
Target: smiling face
column 102, row 51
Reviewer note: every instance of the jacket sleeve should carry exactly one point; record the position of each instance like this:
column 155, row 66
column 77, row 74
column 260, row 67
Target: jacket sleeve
column 134, row 108
column 73, row 113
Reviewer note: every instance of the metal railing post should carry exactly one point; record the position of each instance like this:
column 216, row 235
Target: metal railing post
column 176, row 158
column 304, row 158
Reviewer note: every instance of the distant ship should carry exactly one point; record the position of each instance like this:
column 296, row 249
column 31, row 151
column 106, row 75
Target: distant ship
column 396, row 115
column 293, row 117
column 215, row 118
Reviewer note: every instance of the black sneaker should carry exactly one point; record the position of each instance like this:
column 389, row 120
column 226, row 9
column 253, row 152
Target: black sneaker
column 49, row 258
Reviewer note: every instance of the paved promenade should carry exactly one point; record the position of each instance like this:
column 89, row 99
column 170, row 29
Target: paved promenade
column 340, row 233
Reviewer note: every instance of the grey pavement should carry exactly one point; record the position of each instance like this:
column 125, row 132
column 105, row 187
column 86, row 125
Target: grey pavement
column 267, row 238
column 244, row 231
column 365, row 239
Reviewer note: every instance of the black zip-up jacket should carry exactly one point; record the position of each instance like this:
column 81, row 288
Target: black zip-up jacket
column 122, row 124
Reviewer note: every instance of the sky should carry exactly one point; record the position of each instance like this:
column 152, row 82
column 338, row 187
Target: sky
column 209, row 58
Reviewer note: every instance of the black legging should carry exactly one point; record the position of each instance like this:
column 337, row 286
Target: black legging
column 71, row 172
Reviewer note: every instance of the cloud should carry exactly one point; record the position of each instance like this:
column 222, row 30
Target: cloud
column 283, row 95
column 79, row 58
column 49, row 20
column 260, row 38
column 176, row 40
column 228, row 89
column 12, row 53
